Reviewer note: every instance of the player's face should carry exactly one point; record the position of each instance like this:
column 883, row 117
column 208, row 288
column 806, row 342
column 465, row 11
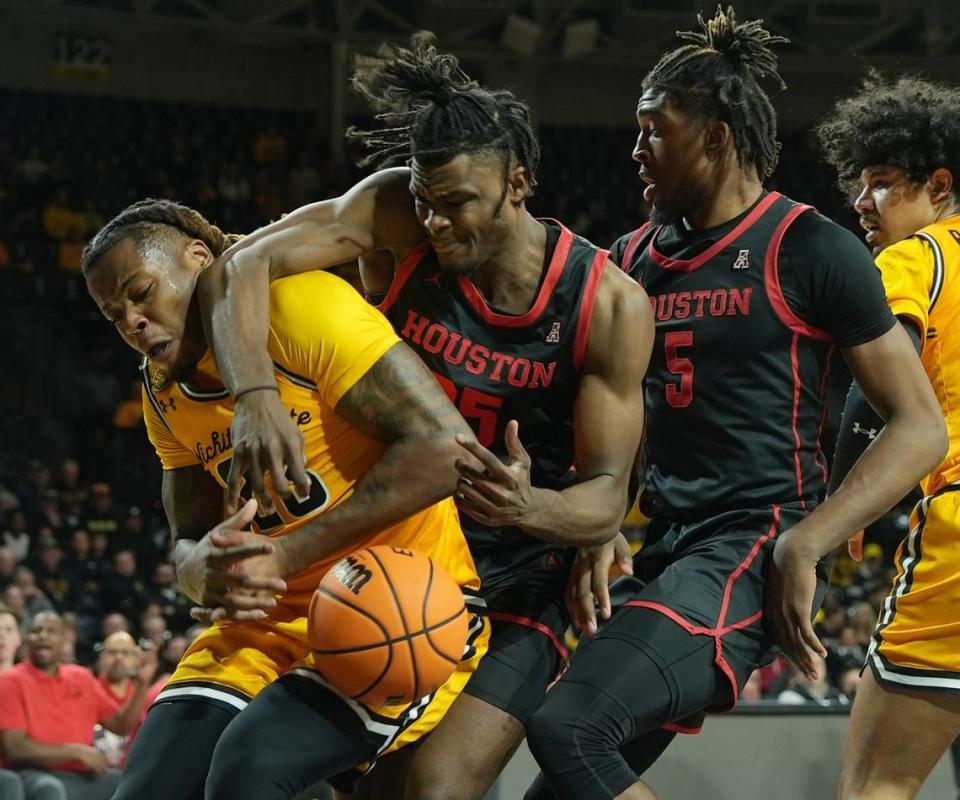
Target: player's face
column 465, row 207
column 149, row 299
column 891, row 207
column 672, row 158
column 45, row 640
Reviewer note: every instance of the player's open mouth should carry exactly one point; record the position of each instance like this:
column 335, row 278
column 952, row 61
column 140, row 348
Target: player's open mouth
column 651, row 186
column 872, row 229
column 158, row 351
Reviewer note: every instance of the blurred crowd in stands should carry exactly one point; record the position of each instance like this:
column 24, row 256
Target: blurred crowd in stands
column 82, row 532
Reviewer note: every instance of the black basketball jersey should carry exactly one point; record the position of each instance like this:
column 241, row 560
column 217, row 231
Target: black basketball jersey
column 497, row 367
column 735, row 392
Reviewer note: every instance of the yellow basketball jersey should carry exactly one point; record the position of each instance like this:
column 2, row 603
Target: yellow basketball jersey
column 921, row 275
column 323, row 338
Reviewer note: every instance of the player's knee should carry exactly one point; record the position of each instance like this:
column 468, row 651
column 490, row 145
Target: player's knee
column 560, row 735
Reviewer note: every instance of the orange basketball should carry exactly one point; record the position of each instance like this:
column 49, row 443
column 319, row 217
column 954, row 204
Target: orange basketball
column 387, row 625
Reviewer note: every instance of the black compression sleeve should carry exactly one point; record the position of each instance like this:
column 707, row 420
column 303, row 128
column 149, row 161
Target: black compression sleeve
column 860, row 424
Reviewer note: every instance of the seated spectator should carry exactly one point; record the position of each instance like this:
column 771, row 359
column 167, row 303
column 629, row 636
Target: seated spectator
column 802, row 690
column 123, row 589
column 80, row 560
column 153, row 628
column 174, row 605
column 118, row 665
column 49, row 514
column 73, row 495
column 59, row 217
column 8, row 565
column 69, row 250
column 34, row 600
column 114, row 622
column 17, row 536
column 129, row 414
column 101, row 516
column 47, row 714
column 10, row 640
column 14, row 602
column 55, row 578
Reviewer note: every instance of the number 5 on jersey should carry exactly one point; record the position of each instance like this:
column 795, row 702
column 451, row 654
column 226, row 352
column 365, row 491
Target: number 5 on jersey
column 680, row 394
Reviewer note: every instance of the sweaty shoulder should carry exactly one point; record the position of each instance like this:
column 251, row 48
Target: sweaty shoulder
column 909, row 268
column 321, row 329
column 829, row 280
column 621, row 316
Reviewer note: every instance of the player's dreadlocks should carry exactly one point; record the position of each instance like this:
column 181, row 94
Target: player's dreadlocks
column 717, row 76
column 151, row 222
column 908, row 123
column 432, row 110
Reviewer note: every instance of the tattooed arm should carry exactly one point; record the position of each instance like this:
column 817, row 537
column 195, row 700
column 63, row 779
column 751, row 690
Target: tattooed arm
column 399, row 402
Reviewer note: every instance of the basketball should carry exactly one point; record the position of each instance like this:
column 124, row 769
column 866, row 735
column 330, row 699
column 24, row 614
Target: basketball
column 387, row 625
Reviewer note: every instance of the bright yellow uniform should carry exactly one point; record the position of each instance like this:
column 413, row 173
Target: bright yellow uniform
column 323, row 338
column 917, row 641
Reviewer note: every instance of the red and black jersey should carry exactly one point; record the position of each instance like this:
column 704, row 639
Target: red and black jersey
column 496, row 367
column 748, row 317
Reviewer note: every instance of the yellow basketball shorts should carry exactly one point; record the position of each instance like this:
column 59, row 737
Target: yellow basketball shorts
column 917, row 640
column 231, row 662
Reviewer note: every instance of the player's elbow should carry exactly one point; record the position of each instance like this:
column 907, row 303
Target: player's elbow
column 939, row 441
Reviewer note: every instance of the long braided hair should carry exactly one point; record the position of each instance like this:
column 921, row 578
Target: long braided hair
column 151, row 221
column 432, row 110
column 717, row 76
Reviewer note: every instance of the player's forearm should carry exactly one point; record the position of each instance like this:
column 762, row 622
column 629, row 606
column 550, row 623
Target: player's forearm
column 905, row 451
column 181, row 551
column 586, row 514
column 408, row 477
column 859, row 426
column 234, row 300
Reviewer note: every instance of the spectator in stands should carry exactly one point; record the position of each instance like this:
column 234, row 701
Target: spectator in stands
column 34, row 600
column 154, row 629
column 14, row 602
column 123, row 589
column 129, row 413
column 117, row 666
column 59, row 217
column 10, row 639
column 49, row 514
column 69, row 250
column 8, row 566
column 114, row 622
column 47, row 715
column 55, row 578
column 81, row 562
column 73, row 495
column 16, row 537
column 101, row 514
column 802, row 690
column 174, row 605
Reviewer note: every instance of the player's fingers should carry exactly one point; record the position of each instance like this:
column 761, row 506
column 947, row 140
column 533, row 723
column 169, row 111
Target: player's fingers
column 484, row 456
column 228, row 555
column 202, row 615
column 238, row 467
column 475, row 513
column 622, row 555
column 515, row 448
column 232, row 601
column 297, row 468
column 261, row 584
column 257, row 486
column 585, row 603
column 239, row 520
column 855, row 546
column 274, row 456
column 475, row 498
column 601, row 587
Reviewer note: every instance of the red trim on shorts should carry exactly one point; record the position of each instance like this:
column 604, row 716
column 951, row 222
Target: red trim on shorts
column 690, row 265
column 771, row 280
column 402, row 274
column 586, row 306
column 632, row 245
column 673, row 727
column 516, row 619
column 554, row 271
column 720, row 629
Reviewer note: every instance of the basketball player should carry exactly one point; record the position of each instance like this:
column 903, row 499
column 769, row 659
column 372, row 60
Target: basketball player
column 900, row 141
column 752, row 294
column 530, row 329
column 245, row 715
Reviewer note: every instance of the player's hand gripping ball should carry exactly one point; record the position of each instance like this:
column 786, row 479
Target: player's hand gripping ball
column 387, row 625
